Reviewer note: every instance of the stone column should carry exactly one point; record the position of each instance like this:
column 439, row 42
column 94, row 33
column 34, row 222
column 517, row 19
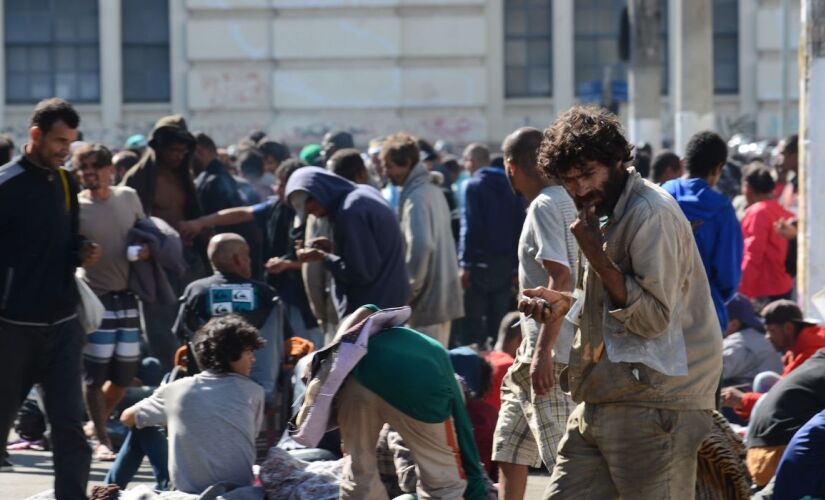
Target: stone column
column 811, row 240
column 564, row 70
column 693, row 73
column 644, row 75
column 178, row 60
column 494, row 107
column 111, row 69
column 748, row 56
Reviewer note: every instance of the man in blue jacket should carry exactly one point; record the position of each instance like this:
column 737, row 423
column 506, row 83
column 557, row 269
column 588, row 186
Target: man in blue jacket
column 715, row 226
column 490, row 228
column 367, row 263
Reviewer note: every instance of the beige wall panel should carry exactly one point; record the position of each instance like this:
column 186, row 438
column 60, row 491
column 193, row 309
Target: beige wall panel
column 298, row 38
column 335, row 89
column 769, row 80
column 229, row 88
column 226, row 4
column 444, row 36
column 459, row 86
column 230, row 39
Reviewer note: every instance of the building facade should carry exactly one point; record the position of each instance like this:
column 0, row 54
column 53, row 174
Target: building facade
column 457, row 70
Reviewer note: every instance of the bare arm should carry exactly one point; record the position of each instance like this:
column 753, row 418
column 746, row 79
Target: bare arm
column 561, row 280
column 541, row 367
column 226, row 217
column 127, row 418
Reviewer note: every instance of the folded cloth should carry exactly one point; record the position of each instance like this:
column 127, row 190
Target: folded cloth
column 330, row 367
column 148, row 279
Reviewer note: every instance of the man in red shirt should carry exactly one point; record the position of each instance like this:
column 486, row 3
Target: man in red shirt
column 797, row 338
column 764, row 277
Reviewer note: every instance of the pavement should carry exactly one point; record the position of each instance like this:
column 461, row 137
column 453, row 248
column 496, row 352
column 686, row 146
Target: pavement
column 33, row 473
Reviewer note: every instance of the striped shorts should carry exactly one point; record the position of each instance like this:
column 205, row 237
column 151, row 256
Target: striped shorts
column 113, row 351
column 530, row 427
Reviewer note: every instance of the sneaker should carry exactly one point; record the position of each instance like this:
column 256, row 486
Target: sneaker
column 6, row 466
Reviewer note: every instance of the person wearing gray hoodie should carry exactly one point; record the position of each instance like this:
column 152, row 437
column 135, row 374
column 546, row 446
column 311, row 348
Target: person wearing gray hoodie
column 367, row 263
column 431, row 258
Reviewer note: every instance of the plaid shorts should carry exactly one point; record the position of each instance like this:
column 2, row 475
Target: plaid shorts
column 530, row 427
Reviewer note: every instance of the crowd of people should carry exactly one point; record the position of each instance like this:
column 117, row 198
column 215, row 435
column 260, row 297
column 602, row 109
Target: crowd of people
column 429, row 324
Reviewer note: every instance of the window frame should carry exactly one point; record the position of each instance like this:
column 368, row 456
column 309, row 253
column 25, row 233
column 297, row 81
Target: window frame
column 164, row 46
column 731, row 33
column 527, row 36
column 51, row 47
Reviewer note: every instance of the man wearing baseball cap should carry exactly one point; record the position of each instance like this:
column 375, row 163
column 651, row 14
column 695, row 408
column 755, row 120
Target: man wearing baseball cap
column 792, row 335
column 746, row 350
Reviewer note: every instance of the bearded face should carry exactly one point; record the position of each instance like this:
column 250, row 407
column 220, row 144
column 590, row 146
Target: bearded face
column 595, row 184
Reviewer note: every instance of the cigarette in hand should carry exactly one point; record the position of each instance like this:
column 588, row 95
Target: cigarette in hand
column 530, row 316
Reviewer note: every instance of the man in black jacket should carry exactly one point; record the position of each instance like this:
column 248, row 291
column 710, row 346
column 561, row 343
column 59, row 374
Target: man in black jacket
column 217, row 189
column 40, row 338
column 163, row 181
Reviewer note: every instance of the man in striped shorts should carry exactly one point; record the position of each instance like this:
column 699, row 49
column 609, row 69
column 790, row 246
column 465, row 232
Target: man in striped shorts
column 112, row 353
column 534, row 409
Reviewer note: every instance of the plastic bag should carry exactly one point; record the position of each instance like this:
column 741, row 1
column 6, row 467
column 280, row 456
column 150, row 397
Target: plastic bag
column 666, row 353
column 90, row 310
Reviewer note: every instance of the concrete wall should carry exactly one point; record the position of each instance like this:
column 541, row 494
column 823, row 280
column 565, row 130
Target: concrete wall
column 298, row 68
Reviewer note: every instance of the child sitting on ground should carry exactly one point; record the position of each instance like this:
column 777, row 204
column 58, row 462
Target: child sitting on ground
column 212, row 417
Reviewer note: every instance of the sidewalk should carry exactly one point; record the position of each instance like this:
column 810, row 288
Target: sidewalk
column 33, row 473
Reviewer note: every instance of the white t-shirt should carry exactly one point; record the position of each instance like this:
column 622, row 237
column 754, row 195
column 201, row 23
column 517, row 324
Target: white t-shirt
column 546, row 236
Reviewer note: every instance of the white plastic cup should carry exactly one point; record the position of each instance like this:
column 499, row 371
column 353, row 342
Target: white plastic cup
column 132, row 252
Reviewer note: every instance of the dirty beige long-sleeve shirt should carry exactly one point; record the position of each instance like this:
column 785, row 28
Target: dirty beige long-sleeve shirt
column 651, row 242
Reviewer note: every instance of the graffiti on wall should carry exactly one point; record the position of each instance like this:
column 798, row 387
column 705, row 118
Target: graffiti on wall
column 228, row 128
column 216, row 90
column 459, row 130
column 730, row 125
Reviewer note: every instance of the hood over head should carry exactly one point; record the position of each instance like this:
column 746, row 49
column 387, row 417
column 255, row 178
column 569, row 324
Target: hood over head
column 322, row 185
column 171, row 128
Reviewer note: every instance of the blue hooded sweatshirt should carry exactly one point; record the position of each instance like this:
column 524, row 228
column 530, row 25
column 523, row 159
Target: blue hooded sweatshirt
column 718, row 236
column 491, row 220
column 368, row 264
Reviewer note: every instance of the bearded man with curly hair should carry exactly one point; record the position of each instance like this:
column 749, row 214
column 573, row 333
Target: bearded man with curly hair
column 646, row 360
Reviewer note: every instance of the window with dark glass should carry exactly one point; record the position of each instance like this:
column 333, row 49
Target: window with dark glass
column 596, row 45
column 596, row 52
column 528, row 48
column 726, row 46
column 146, row 74
column 52, row 49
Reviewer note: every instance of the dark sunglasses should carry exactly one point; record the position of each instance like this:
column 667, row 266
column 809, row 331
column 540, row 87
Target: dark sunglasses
column 96, row 166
